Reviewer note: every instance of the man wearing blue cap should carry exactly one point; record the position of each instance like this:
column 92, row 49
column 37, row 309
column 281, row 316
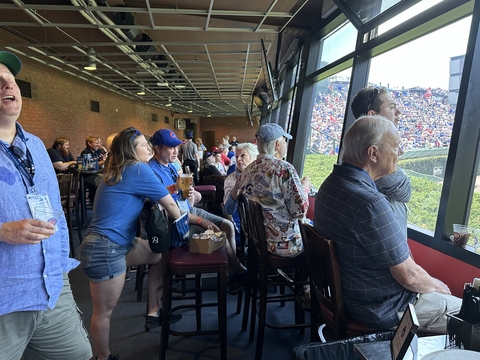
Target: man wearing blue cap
column 188, row 156
column 275, row 185
column 38, row 316
column 165, row 144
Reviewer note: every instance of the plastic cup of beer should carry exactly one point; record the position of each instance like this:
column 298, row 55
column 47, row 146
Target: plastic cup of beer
column 48, row 215
column 461, row 234
column 185, row 182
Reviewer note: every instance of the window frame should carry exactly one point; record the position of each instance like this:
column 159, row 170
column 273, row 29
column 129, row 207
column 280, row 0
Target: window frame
column 463, row 158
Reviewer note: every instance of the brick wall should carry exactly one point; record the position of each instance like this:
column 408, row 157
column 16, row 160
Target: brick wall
column 233, row 126
column 60, row 106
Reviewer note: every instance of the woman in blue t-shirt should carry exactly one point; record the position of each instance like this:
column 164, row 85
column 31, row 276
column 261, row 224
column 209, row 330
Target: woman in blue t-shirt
column 110, row 245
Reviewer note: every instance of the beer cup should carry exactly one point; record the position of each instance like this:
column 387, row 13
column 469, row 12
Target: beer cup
column 185, row 182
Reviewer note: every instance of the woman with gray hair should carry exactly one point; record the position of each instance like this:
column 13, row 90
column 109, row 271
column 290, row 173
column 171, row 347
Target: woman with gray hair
column 245, row 154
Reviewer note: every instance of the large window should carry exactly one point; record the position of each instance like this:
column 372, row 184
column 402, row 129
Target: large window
column 407, row 14
column 326, row 124
column 423, row 78
column 338, row 43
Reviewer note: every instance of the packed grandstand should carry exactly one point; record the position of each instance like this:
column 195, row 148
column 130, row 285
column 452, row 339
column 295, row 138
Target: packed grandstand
column 426, row 120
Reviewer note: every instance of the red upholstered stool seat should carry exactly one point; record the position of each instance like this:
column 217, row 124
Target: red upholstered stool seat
column 183, row 258
column 182, row 262
column 205, row 188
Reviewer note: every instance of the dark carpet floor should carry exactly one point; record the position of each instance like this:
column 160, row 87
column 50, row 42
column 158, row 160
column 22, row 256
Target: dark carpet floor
column 129, row 339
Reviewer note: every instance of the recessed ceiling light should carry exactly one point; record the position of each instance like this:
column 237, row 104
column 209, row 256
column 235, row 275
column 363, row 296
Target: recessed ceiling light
column 164, row 83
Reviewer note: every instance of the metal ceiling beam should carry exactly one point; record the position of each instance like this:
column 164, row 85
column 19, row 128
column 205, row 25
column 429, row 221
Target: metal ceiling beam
column 146, row 10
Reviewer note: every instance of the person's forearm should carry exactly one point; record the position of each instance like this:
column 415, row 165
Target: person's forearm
column 170, row 206
column 421, row 282
column 59, row 165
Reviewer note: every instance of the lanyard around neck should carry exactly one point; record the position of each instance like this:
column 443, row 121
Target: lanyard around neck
column 25, row 167
column 167, row 170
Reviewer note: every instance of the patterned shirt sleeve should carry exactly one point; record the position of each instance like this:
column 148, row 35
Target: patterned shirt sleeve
column 295, row 199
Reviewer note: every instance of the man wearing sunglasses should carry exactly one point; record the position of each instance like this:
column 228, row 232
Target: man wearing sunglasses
column 396, row 187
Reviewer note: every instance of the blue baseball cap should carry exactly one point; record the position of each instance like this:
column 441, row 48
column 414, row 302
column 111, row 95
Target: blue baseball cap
column 165, row 137
column 207, row 155
column 11, row 61
column 271, row 131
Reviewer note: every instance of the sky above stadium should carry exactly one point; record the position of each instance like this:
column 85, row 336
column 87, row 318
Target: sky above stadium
column 424, row 62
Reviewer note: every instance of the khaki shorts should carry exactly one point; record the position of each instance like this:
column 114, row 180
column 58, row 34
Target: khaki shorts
column 432, row 308
column 55, row 334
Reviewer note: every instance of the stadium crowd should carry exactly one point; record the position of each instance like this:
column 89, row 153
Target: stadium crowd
column 426, row 120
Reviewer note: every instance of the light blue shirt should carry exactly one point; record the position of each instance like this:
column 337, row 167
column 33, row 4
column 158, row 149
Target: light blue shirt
column 31, row 276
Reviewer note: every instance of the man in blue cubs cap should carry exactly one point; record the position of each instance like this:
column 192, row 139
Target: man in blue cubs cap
column 38, row 316
column 165, row 144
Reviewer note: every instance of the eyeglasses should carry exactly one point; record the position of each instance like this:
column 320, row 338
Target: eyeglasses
column 373, row 97
column 135, row 134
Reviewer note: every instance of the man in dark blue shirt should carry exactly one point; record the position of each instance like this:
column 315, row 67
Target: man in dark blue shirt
column 379, row 276
column 60, row 154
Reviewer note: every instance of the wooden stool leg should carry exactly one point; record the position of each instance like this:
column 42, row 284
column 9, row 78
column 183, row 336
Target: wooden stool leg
column 261, row 314
column 198, row 302
column 166, row 306
column 222, row 312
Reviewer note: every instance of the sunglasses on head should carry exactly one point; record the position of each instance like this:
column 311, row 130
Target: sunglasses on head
column 373, row 97
column 135, row 134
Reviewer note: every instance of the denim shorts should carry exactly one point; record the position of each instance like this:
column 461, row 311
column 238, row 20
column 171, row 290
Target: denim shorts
column 102, row 259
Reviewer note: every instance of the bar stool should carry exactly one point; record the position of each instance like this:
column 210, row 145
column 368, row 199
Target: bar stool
column 65, row 185
column 266, row 263
column 181, row 262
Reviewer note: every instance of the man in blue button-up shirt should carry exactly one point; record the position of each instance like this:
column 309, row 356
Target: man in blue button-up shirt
column 38, row 315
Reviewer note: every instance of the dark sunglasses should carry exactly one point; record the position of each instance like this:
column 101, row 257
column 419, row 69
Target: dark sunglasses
column 373, row 97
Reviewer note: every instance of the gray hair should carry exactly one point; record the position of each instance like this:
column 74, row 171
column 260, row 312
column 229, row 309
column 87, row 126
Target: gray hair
column 250, row 148
column 267, row 147
column 365, row 132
